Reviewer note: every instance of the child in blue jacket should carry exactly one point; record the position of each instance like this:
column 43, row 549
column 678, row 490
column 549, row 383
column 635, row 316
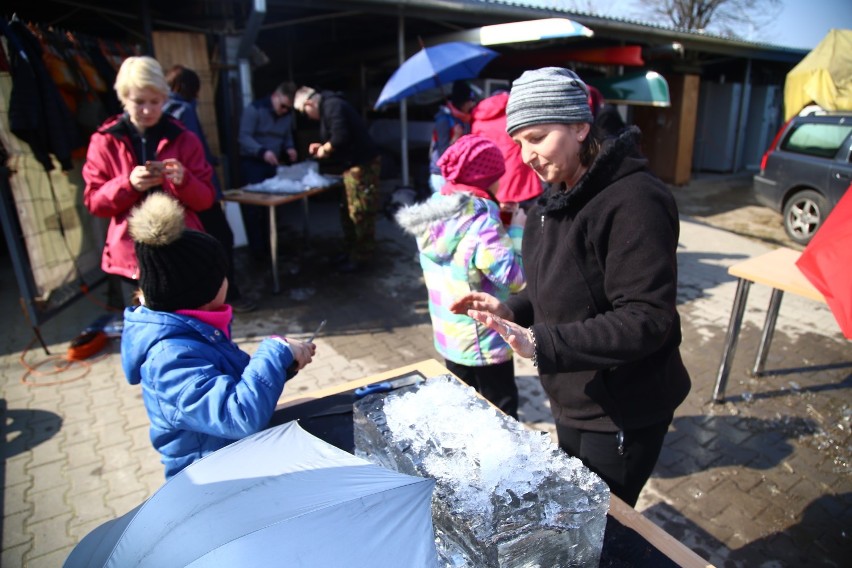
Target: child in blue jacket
column 201, row 391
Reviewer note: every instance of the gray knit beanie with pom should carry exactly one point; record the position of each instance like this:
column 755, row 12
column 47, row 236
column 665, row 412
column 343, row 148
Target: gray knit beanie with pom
column 546, row 96
column 179, row 269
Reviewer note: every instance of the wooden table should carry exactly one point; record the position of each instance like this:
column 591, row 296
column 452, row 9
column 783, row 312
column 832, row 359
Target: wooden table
column 668, row 546
column 273, row 200
column 776, row 269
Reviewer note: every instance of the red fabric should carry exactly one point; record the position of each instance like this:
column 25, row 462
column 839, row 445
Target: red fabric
column 596, row 100
column 520, row 182
column 219, row 318
column 472, row 160
column 108, row 193
column 827, row 262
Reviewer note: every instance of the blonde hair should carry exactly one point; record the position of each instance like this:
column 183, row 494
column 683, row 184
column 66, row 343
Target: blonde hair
column 140, row 72
column 303, row 94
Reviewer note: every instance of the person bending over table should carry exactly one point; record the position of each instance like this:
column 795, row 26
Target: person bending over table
column 598, row 316
column 346, row 141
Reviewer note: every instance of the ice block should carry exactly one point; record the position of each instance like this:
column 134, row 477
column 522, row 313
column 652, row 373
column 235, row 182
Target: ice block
column 505, row 496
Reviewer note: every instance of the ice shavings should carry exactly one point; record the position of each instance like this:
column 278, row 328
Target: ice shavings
column 297, row 178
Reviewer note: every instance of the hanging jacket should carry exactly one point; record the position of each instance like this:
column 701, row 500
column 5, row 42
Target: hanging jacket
column 520, row 182
column 201, row 391
column 108, row 193
column 601, row 295
column 464, row 247
column 38, row 114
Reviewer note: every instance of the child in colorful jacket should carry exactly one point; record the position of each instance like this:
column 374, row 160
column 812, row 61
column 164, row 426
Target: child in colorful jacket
column 465, row 247
column 200, row 390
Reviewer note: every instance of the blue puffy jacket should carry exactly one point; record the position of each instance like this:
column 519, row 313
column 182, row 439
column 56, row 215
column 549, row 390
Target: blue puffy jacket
column 201, row 391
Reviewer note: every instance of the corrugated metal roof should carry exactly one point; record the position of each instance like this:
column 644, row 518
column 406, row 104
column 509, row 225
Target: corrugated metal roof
column 604, row 25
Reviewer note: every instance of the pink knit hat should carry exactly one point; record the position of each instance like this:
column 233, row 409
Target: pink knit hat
column 472, row 160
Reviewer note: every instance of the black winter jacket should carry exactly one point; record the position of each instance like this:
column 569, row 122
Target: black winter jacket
column 341, row 125
column 601, row 294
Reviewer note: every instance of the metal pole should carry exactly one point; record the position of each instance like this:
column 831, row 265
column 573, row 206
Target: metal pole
column 403, row 105
column 258, row 13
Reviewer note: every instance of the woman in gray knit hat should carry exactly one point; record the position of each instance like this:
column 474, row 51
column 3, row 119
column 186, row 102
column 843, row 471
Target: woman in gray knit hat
column 598, row 316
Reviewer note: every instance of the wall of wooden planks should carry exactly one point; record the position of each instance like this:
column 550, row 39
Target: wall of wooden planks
column 190, row 50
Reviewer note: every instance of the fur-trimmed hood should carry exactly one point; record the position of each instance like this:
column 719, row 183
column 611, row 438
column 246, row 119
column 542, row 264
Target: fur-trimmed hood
column 440, row 222
column 618, row 158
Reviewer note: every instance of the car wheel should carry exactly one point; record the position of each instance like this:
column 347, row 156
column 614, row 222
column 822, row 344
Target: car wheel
column 804, row 213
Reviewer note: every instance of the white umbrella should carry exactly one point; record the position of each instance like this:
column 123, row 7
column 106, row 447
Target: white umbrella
column 279, row 497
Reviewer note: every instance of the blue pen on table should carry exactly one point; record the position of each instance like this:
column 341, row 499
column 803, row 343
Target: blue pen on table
column 389, row 385
column 294, row 366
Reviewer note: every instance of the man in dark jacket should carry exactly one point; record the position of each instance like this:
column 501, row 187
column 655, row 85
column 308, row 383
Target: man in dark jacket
column 346, row 140
column 266, row 141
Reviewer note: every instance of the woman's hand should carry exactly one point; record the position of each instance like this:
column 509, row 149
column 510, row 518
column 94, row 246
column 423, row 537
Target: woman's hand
column 143, row 178
column 303, row 352
column 520, row 339
column 173, row 171
column 483, row 302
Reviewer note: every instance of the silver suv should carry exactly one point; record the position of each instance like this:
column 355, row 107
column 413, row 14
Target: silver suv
column 806, row 171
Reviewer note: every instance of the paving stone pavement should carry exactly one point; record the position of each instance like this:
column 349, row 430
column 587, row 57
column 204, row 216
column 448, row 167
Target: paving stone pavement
column 762, row 479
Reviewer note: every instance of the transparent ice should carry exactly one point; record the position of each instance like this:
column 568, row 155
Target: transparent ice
column 505, row 495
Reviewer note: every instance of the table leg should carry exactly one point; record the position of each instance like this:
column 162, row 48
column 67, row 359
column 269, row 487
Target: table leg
column 768, row 331
column 306, row 231
column 273, row 246
column 731, row 338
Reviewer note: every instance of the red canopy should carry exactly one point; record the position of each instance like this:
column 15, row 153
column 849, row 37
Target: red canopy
column 827, row 262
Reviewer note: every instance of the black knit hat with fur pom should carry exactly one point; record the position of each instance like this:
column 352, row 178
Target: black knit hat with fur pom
column 179, row 269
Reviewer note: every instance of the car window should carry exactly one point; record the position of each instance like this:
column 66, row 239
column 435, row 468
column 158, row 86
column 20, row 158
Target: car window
column 816, row 139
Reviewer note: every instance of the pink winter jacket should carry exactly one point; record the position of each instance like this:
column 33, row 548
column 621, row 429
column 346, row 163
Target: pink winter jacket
column 488, row 119
column 108, row 193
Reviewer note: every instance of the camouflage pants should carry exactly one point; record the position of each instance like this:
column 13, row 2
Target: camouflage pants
column 358, row 211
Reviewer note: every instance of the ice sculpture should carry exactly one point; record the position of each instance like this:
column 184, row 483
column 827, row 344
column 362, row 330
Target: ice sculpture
column 504, row 496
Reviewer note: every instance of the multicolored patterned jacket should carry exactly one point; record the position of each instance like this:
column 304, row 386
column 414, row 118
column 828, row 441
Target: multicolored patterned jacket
column 464, row 247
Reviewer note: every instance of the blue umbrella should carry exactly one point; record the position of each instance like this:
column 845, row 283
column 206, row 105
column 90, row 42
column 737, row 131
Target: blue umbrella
column 281, row 497
column 434, row 66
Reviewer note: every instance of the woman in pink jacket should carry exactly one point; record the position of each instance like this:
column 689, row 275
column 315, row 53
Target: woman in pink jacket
column 139, row 152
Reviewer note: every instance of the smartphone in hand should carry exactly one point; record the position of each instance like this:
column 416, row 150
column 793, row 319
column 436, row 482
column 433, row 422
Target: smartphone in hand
column 154, row 167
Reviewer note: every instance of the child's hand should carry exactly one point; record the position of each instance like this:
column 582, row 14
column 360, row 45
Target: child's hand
column 303, row 352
